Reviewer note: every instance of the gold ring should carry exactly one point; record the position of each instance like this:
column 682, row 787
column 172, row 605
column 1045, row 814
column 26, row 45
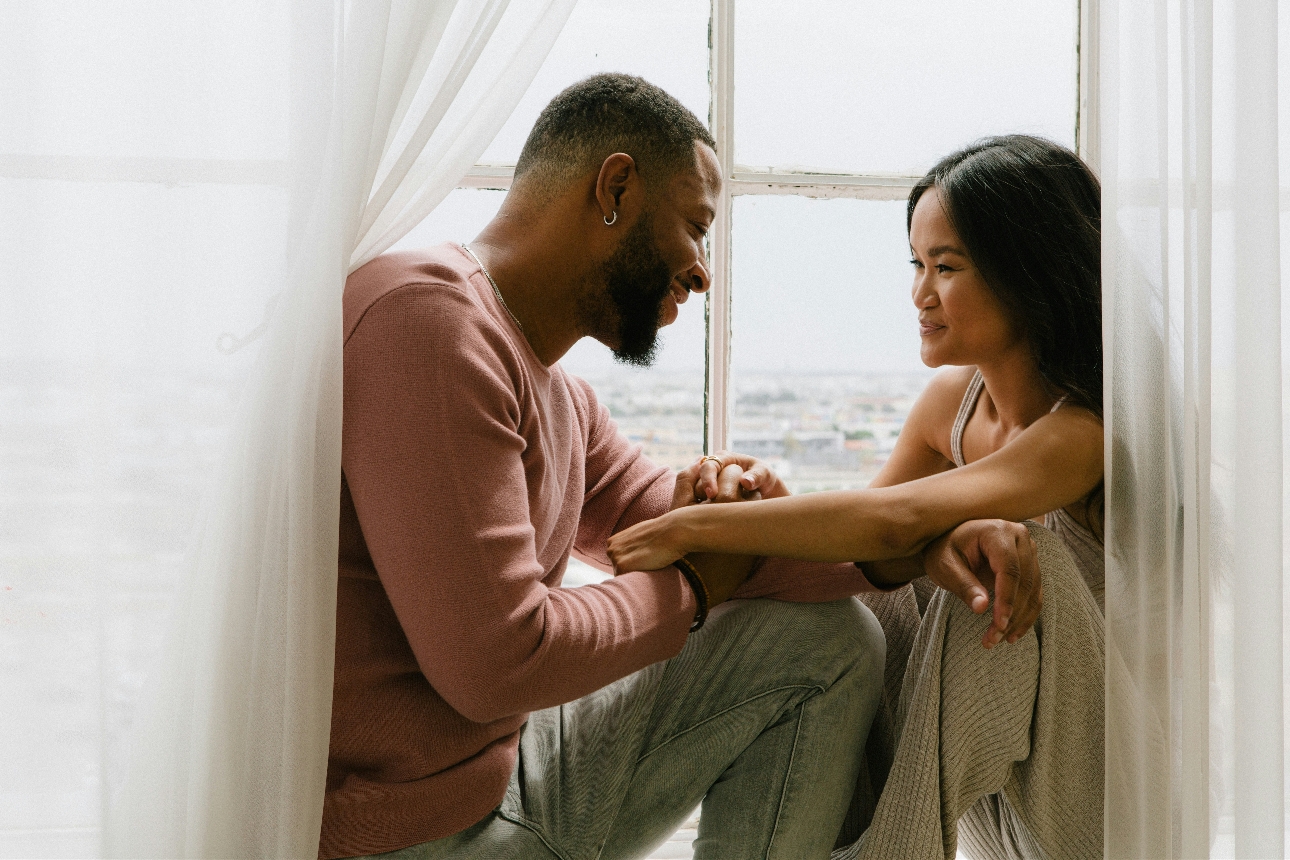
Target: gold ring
column 716, row 460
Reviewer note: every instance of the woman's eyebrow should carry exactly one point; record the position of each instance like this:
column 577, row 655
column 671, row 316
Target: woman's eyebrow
column 946, row 249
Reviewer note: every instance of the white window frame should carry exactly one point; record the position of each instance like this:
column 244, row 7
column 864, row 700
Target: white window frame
column 740, row 180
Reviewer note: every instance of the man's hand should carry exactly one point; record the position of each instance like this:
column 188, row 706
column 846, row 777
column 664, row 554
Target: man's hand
column 730, row 477
column 701, row 482
column 996, row 555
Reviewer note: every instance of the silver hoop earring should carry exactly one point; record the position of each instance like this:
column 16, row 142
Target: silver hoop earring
column 609, row 222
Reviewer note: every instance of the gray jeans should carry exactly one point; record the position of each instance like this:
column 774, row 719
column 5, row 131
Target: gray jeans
column 762, row 717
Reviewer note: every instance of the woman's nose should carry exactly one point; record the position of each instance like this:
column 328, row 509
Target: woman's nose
column 923, row 295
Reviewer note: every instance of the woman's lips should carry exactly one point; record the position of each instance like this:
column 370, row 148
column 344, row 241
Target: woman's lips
column 924, row 329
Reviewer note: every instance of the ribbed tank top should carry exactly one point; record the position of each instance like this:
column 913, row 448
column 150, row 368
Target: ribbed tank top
column 1085, row 547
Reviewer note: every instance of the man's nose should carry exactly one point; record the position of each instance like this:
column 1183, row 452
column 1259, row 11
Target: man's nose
column 697, row 277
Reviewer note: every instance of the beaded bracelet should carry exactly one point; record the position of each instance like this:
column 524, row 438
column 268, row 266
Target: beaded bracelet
column 698, row 586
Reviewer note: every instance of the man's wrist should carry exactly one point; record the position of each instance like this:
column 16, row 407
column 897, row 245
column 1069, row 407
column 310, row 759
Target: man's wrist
column 702, row 596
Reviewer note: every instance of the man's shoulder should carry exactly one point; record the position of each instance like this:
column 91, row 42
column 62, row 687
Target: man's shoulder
column 442, row 272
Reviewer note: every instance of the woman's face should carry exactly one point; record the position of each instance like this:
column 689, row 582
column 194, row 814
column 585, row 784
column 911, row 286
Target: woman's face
column 960, row 320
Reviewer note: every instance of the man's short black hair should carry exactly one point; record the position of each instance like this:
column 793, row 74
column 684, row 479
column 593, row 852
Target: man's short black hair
column 604, row 114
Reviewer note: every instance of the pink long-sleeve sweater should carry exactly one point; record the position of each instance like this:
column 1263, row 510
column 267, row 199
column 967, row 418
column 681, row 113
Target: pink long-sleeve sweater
column 470, row 472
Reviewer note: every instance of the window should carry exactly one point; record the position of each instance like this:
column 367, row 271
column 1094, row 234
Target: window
column 825, row 114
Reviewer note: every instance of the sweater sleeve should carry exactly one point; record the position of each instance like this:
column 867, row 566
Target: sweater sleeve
column 432, row 453
column 623, row 487
column 804, row 581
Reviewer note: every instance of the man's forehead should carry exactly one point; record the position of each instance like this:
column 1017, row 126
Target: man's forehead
column 700, row 186
column 709, row 168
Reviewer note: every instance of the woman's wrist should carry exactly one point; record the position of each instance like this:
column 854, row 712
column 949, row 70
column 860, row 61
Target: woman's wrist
column 682, row 531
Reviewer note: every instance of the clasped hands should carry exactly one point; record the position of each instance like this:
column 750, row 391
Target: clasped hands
column 971, row 561
column 720, row 478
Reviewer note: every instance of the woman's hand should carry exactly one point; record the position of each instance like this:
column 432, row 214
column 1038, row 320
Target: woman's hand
column 648, row 545
column 657, row 543
column 990, row 554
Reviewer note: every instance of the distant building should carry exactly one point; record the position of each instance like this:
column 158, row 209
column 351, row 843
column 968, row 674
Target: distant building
column 802, row 446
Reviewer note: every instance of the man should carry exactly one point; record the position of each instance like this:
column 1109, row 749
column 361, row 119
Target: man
column 481, row 710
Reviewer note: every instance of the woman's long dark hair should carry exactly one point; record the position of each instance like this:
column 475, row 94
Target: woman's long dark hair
column 1029, row 213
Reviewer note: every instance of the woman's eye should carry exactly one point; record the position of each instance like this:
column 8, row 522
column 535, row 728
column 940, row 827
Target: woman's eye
column 916, row 264
column 942, row 268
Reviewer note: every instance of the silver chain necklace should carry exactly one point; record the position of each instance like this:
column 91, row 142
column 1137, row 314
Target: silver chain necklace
column 496, row 291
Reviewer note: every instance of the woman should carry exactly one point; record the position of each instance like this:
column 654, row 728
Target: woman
column 1005, row 237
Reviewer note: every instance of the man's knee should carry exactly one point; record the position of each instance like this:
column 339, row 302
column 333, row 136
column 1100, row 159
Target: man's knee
column 822, row 641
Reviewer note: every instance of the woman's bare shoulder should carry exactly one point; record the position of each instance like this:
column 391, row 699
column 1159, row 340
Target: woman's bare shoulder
column 939, row 403
column 933, row 414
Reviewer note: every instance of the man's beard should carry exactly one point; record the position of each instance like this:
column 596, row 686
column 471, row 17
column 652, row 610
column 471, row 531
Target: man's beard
column 628, row 309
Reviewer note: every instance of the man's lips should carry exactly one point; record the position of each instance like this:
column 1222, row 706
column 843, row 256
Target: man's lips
column 669, row 311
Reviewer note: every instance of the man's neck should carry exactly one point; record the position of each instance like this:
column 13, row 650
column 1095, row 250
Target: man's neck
column 539, row 271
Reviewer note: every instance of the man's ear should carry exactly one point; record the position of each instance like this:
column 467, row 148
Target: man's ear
column 619, row 191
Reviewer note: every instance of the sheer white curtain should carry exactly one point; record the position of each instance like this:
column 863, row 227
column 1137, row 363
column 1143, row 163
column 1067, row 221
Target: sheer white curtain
column 1194, row 162
column 176, row 180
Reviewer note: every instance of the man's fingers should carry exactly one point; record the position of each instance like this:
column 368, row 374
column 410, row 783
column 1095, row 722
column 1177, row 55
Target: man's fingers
column 706, row 486
column 687, row 486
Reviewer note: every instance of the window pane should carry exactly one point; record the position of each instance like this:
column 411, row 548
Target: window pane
column 890, row 87
column 667, row 45
column 824, row 349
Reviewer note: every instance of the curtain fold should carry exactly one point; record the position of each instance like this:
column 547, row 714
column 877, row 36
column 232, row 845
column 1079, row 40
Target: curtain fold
column 171, row 168
column 1192, row 148
column 231, row 757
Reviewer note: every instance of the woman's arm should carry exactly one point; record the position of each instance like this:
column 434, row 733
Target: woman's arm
column 921, row 450
column 1051, row 464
